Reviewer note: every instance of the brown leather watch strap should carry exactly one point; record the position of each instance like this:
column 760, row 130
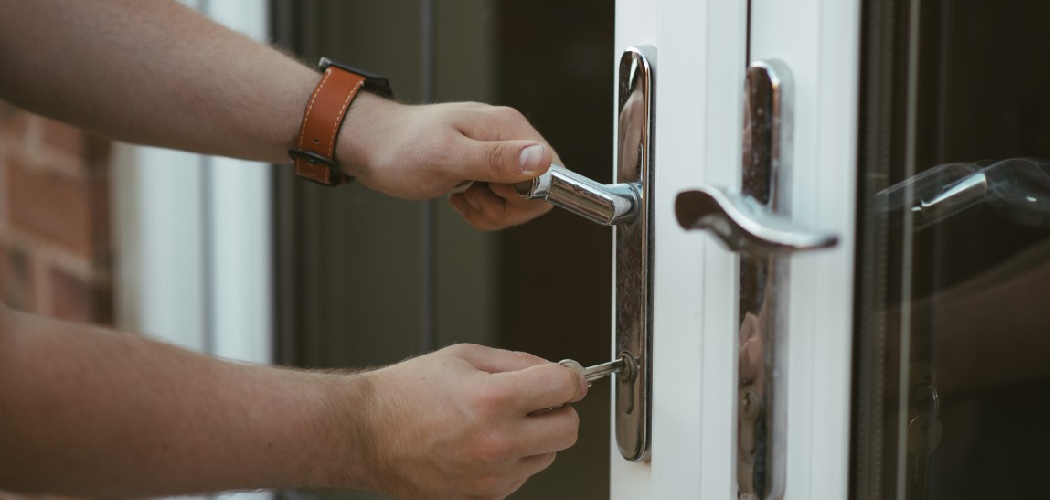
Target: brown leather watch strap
column 314, row 153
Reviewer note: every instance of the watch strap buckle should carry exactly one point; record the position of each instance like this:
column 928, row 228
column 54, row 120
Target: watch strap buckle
column 317, row 168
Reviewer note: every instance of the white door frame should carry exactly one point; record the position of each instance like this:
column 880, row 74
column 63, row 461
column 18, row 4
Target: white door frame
column 699, row 73
column 819, row 40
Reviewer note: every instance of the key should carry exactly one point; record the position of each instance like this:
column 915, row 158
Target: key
column 592, row 373
column 624, row 364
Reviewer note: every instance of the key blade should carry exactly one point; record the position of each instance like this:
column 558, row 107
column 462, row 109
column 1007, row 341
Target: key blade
column 592, row 373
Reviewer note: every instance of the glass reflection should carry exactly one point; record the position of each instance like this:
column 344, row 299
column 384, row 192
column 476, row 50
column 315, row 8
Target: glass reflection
column 952, row 345
column 1018, row 189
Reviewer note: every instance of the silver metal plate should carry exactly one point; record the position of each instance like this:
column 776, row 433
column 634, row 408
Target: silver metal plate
column 762, row 408
column 634, row 255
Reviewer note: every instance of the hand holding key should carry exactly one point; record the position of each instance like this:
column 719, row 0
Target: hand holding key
column 460, row 423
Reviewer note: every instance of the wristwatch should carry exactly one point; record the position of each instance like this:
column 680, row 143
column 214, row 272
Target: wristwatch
column 314, row 152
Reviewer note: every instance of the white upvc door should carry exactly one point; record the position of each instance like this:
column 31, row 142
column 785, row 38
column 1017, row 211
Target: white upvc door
column 700, row 65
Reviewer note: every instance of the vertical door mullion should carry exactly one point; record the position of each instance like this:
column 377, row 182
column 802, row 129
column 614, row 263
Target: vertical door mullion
column 818, row 40
column 699, row 116
column 699, row 71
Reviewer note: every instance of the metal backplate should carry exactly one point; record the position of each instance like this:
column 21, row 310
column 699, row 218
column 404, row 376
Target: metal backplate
column 634, row 255
column 761, row 384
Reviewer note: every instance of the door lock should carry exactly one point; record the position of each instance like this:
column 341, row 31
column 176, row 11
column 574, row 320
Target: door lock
column 626, row 205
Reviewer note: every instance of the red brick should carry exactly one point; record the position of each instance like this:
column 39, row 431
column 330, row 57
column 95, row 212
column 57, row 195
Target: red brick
column 62, row 138
column 76, row 299
column 19, row 288
column 65, row 210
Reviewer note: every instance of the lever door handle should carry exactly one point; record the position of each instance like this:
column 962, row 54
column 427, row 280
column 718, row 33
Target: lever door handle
column 744, row 225
column 606, row 204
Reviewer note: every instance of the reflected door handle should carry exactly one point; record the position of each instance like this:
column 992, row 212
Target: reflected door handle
column 743, row 225
column 606, row 204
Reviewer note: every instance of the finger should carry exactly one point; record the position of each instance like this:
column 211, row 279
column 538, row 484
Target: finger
column 481, row 198
column 472, row 212
column 492, row 210
column 484, row 210
column 505, row 162
column 524, row 207
column 549, row 432
column 492, row 360
column 469, row 214
column 543, row 386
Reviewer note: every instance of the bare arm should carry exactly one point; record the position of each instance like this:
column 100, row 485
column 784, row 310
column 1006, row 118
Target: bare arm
column 152, row 72
column 155, row 72
column 85, row 410
column 91, row 412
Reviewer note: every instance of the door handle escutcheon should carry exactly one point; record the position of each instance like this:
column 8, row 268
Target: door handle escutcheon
column 626, row 205
column 606, row 204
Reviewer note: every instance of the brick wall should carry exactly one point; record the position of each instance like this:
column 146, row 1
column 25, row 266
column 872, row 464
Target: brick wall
column 55, row 245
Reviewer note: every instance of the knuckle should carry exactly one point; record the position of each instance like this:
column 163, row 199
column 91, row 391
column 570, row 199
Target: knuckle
column 572, row 427
column 489, row 399
column 460, row 349
column 493, row 213
column 493, row 448
column 509, row 113
column 496, row 154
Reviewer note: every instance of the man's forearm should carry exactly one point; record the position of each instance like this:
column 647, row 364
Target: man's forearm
column 153, row 72
column 88, row 411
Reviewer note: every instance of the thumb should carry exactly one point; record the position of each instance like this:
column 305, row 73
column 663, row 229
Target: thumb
column 506, row 162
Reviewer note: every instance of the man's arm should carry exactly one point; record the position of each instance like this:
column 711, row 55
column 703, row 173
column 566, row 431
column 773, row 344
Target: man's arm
column 152, row 72
column 155, row 72
column 93, row 412
column 90, row 412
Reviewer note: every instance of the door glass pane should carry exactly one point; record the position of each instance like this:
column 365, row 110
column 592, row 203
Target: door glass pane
column 952, row 347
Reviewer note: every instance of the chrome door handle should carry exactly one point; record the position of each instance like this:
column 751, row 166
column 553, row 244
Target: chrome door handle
column 606, row 204
column 754, row 221
column 744, row 225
